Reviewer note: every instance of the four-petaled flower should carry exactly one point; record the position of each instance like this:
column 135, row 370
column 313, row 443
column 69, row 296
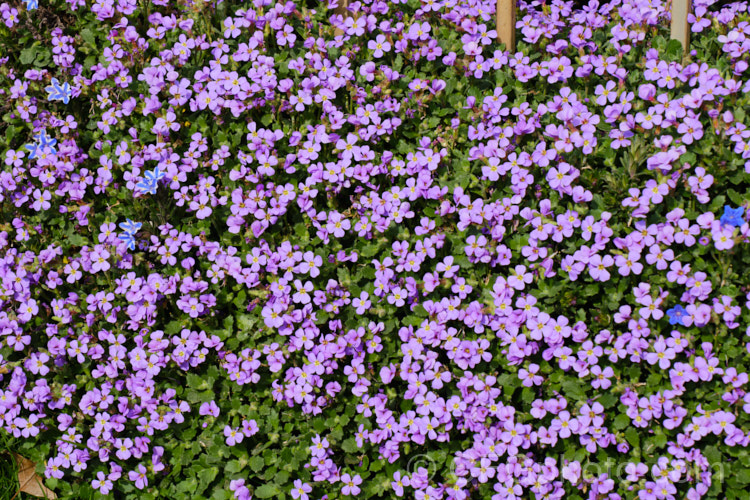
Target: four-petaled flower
column 351, row 484
column 300, row 490
column 139, row 477
column 379, row 46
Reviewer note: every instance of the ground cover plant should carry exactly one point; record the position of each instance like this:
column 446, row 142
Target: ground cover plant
column 265, row 249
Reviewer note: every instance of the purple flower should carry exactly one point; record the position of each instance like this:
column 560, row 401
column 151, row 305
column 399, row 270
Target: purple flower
column 351, row 484
column 102, row 483
column 598, row 267
column 300, row 490
column 209, row 408
column 662, row 354
column 602, row 377
column 419, row 31
column 99, row 260
column 362, row 303
column 367, row 70
column 399, row 482
column 233, row 436
column 530, row 376
column 138, row 476
column 380, row 46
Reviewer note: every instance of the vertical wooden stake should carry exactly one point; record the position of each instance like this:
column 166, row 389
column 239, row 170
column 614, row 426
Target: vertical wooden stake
column 506, row 23
column 680, row 30
column 341, row 9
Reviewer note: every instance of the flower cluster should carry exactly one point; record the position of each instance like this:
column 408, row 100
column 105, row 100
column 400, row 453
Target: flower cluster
column 371, row 238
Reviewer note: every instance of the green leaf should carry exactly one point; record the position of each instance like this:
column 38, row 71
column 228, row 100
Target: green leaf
column 245, row 322
column 743, row 476
column 10, row 133
column 674, row 50
column 240, row 301
column 527, row 395
column 712, row 454
column 574, row 389
column 28, row 55
column 337, row 433
column 319, row 425
column 343, row 275
column 301, row 231
column 88, row 37
column 660, row 440
column 234, row 466
column 222, row 495
column 266, row 491
column 621, row 421
column 608, row 400
column 196, row 382
column 349, row 446
column 717, row 203
column 419, row 310
column 257, row 463
column 173, row 327
column 735, row 197
column 632, row 436
column 432, row 122
column 398, row 63
column 205, row 476
column 77, row 240
column 43, row 58
column 369, row 250
column 412, row 320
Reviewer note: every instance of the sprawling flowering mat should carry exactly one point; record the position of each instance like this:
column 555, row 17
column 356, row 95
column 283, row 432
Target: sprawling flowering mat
column 291, row 250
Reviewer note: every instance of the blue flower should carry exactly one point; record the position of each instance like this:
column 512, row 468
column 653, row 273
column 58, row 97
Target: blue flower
column 733, row 216
column 32, row 148
column 130, row 227
column 156, row 175
column 59, row 92
column 41, row 141
column 129, row 240
column 146, row 187
column 44, row 140
column 151, row 181
column 676, row 314
column 31, row 4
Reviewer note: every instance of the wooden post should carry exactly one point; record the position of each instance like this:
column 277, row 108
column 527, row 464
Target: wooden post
column 680, row 30
column 341, row 9
column 505, row 16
